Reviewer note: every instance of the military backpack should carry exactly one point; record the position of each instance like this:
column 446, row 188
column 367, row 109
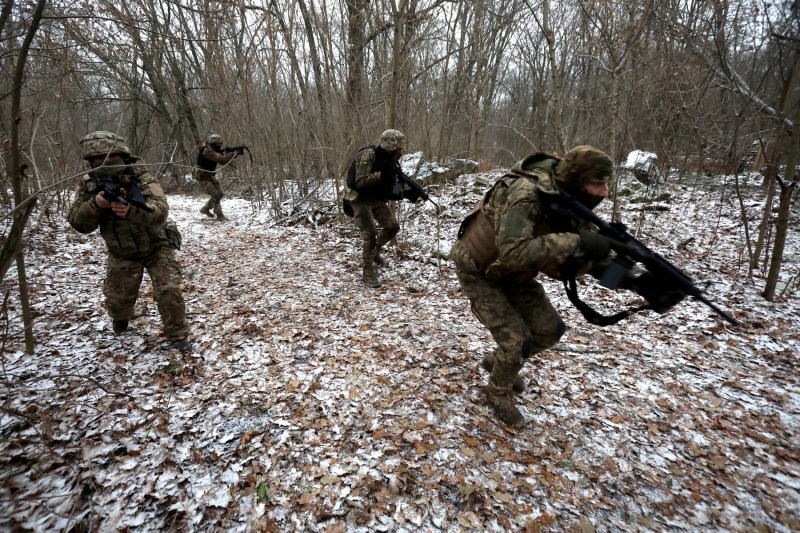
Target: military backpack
column 351, row 172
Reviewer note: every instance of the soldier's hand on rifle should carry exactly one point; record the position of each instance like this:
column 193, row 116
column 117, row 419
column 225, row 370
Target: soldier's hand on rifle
column 119, row 208
column 592, row 246
column 100, row 200
column 660, row 297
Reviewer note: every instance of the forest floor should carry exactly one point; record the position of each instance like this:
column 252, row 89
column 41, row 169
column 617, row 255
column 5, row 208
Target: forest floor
column 312, row 403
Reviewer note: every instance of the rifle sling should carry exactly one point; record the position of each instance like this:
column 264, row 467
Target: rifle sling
column 592, row 316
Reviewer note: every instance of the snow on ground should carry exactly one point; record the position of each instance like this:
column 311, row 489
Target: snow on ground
column 312, row 403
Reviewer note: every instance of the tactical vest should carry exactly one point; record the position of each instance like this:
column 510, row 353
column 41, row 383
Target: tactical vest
column 476, row 234
column 205, row 163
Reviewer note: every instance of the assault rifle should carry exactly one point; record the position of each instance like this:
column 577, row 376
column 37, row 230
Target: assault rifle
column 415, row 193
column 629, row 251
column 241, row 149
column 131, row 195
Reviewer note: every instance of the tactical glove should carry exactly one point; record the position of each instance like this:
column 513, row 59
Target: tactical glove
column 592, row 246
column 660, row 297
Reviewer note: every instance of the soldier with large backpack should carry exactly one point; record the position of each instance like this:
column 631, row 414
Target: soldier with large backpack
column 372, row 180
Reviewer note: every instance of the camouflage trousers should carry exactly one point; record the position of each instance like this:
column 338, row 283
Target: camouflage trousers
column 213, row 189
column 520, row 318
column 368, row 215
column 124, row 277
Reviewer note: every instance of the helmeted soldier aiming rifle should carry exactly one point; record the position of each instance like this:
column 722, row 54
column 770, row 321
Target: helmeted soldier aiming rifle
column 127, row 204
column 210, row 154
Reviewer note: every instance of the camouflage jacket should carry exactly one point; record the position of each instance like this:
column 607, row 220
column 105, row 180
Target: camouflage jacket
column 137, row 235
column 529, row 238
column 207, row 160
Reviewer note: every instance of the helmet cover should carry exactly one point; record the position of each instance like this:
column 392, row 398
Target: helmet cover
column 584, row 164
column 103, row 143
column 392, row 140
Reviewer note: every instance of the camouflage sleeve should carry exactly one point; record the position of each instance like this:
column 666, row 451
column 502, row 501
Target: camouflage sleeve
column 516, row 237
column 213, row 155
column 155, row 198
column 84, row 214
column 364, row 176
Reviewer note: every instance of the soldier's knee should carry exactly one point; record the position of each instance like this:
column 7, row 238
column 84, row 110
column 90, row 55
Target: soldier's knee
column 542, row 342
column 392, row 229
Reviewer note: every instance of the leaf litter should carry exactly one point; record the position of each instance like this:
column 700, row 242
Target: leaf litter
column 314, row 403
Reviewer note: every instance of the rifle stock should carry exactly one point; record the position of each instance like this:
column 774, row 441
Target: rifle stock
column 630, row 251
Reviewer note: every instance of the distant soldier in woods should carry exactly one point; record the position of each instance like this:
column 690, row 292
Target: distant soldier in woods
column 512, row 236
column 128, row 205
column 373, row 182
column 211, row 154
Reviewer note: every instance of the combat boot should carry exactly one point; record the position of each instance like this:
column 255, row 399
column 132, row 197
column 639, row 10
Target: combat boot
column 222, row 218
column 119, row 326
column 206, row 211
column 371, row 277
column 502, row 402
column 183, row 345
column 519, row 385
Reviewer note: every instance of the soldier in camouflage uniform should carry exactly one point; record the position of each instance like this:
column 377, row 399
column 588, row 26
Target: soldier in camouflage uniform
column 374, row 182
column 136, row 239
column 509, row 238
column 209, row 155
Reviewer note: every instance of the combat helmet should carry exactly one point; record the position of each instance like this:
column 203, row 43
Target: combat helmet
column 584, row 164
column 103, row 143
column 214, row 139
column 391, row 140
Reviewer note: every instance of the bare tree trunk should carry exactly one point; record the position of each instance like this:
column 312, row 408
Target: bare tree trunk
column 479, row 37
column 5, row 14
column 18, row 170
column 781, row 228
column 356, row 33
column 788, row 186
column 612, row 143
column 555, row 74
column 398, row 14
